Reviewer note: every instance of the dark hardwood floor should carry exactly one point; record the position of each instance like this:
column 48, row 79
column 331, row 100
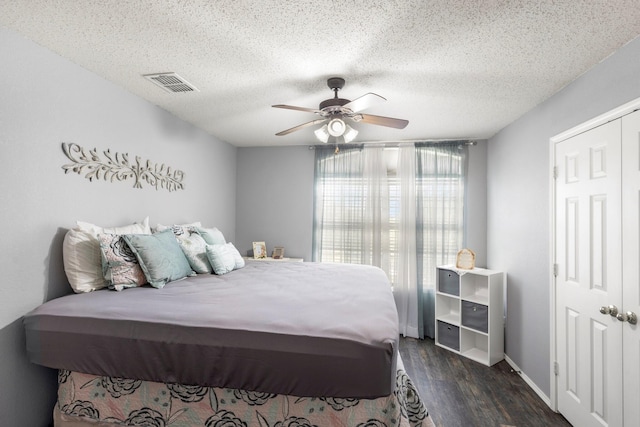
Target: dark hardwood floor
column 459, row 392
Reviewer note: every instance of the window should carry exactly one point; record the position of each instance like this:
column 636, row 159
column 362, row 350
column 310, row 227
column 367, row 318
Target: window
column 371, row 208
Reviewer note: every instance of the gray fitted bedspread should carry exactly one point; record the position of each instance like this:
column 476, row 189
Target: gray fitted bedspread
column 302, row 329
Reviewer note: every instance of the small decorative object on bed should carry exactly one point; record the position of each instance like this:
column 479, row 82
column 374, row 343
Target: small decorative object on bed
column 117, row 167
column 278, row 252
column 259, row 250
column 466, row 259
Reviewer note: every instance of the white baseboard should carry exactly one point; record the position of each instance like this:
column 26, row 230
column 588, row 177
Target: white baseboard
column 527, row 380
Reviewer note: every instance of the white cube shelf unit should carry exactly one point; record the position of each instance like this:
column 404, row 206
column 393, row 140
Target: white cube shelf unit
column 470, row 313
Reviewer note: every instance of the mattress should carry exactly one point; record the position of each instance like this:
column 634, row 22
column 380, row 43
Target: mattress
column 302, row 329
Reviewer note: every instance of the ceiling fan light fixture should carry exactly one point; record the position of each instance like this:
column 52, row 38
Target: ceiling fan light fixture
column 336, row 127
column 322, row 134
column 350, row 134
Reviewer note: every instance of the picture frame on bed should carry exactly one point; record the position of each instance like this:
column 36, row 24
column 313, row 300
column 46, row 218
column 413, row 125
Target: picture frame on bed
column 278, row 252
column 259, row 250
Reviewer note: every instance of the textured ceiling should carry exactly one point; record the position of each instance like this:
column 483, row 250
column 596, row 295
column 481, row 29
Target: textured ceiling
column 454, row 69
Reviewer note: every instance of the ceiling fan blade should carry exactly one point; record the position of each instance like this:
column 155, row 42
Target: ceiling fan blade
column 365, row 101
column 384, row 121
column 302, row 126
column 291, row 107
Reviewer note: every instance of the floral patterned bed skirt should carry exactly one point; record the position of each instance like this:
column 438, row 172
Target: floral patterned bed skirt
column 89, row 400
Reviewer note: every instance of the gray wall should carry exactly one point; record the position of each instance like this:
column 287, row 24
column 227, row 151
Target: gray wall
column 46, row 100
column 275, row 199
column 518, row 176
column 476, row 202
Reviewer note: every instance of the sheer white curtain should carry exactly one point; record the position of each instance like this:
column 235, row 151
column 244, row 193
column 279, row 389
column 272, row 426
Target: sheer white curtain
column 338, row 206
column 441, row 172
column 400, row 209
column 405, row 288
column 375, row 236
column 351, row 212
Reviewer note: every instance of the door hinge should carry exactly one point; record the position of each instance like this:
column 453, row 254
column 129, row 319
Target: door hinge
column 555, row 172
column 556, row 368
column 555, row 270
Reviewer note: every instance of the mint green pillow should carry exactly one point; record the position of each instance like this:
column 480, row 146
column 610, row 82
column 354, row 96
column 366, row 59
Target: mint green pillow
column 221, row 258
column 212, row 236
column 160, row 257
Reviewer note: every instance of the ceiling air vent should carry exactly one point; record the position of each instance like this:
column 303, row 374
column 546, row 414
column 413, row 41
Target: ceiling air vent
column 171, row 82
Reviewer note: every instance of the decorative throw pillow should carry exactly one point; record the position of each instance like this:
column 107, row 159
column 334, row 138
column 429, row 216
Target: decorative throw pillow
column 135, row 228
column 119, row 264
column 212, row 236
column 195, row 249
column 221, row 258
column 179, row 229
column 82, row 261
column 160, row 257
column 82, row 257
column 239, row 261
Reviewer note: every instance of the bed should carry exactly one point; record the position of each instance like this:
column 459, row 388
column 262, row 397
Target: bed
column 271, row 344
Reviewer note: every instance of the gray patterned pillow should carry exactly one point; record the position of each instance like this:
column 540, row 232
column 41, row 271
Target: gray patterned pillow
column 195, row 249
column 119, row 264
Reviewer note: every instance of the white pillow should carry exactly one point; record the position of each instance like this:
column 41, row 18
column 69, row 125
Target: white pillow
column 82, row 256
column 178, row 229
column 236, row 256
column 135, row 228
column 221, row 258
column 82, row 261
column 195, row 249
column 224, row 258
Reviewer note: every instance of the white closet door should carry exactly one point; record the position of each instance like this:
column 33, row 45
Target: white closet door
column 631, row 263
column 588, row 254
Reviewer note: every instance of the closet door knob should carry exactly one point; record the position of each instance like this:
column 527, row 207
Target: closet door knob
column 611, row 310
column 629, row 316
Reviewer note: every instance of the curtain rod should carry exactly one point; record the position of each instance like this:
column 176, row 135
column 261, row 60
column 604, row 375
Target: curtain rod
column 396, row 143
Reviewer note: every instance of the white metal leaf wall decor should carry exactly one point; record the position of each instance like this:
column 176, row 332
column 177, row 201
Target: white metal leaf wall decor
column 116, row 167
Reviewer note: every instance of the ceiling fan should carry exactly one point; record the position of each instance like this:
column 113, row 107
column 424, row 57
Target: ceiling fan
column 334, row 111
